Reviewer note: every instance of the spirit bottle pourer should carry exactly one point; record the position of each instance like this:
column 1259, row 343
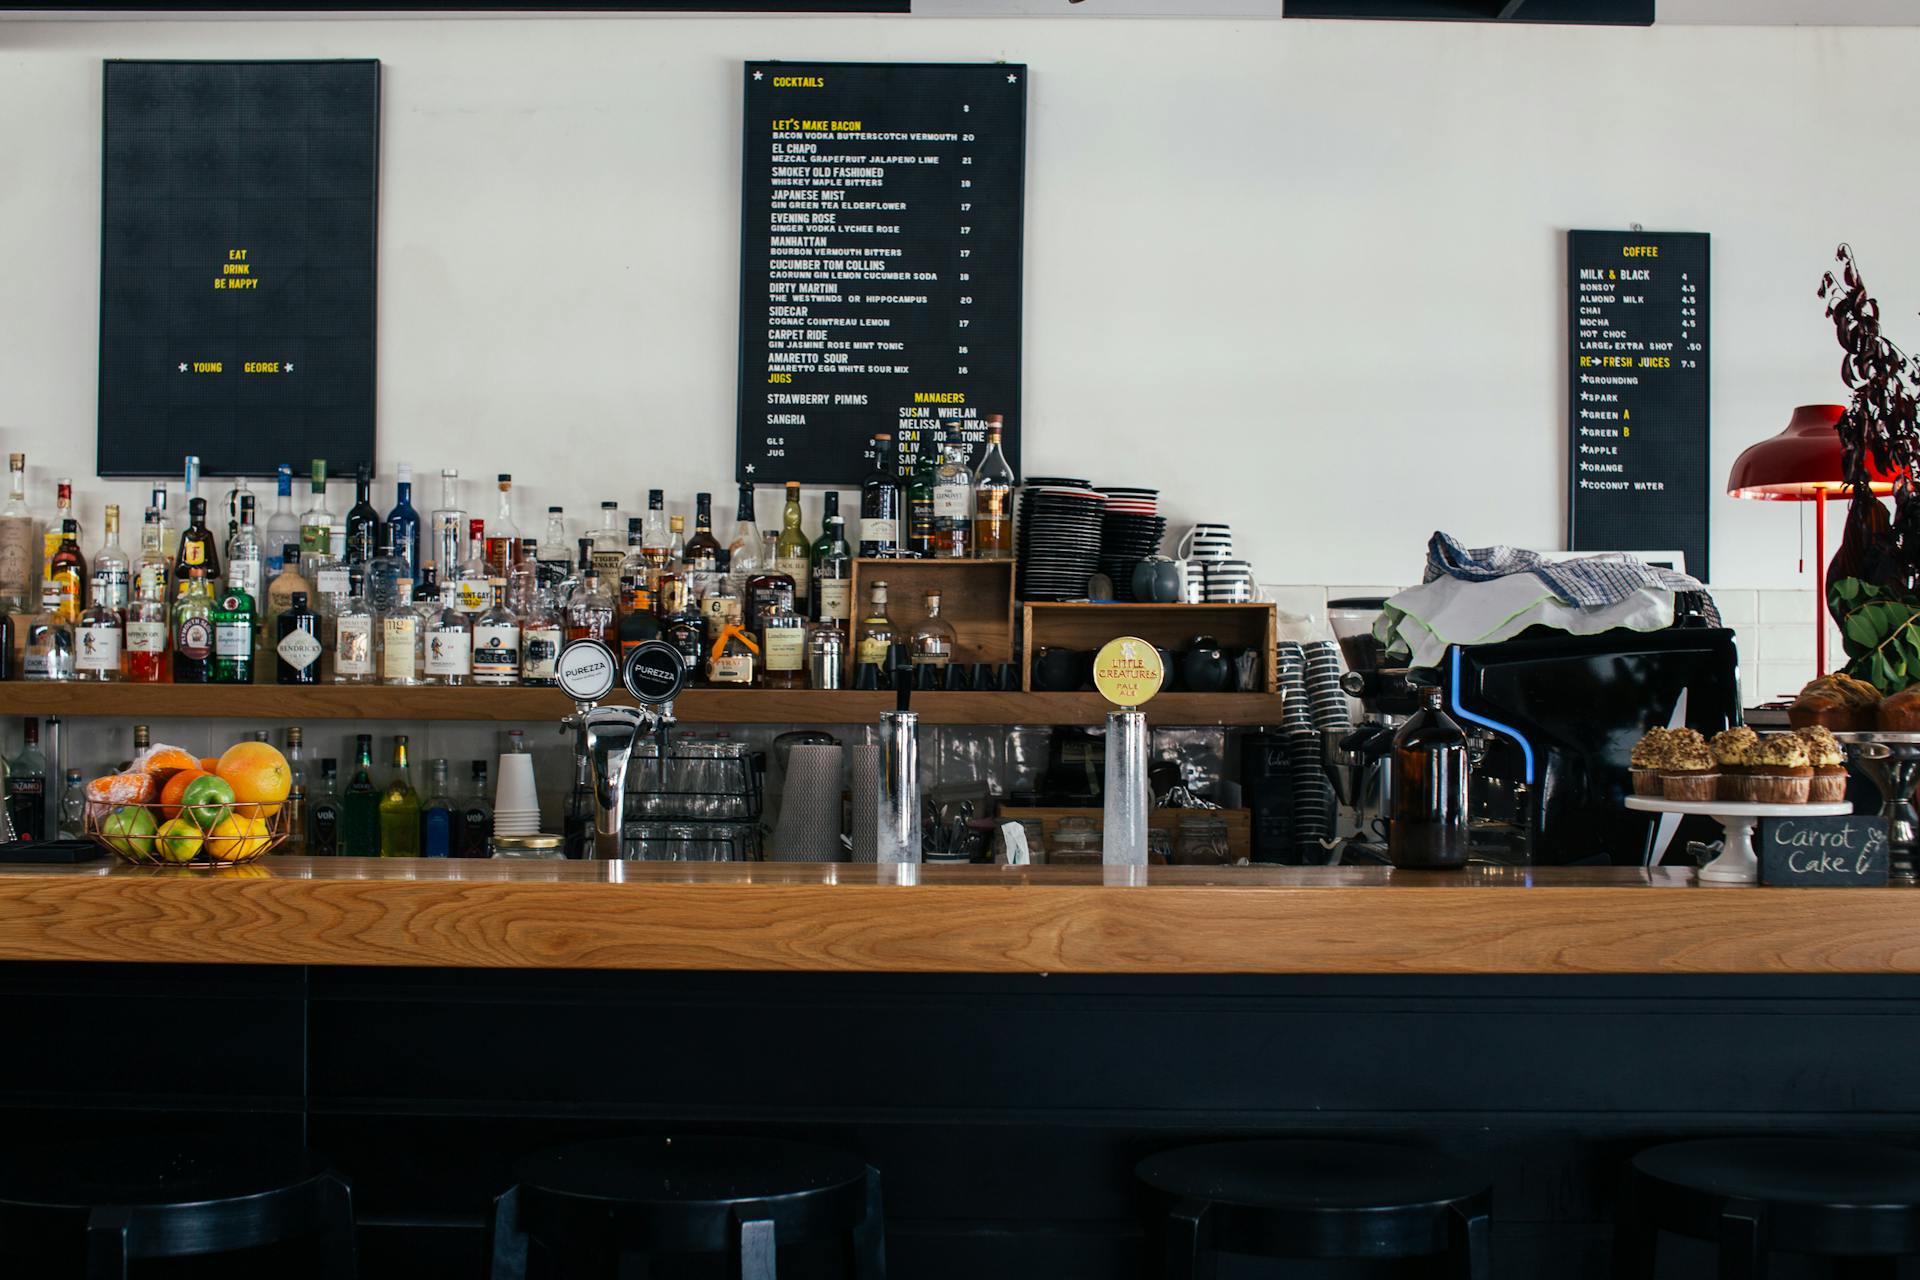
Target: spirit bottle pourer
column 654, row 673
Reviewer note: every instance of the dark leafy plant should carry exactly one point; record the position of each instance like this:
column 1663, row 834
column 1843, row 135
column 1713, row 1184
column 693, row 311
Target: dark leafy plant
column 1880, row 632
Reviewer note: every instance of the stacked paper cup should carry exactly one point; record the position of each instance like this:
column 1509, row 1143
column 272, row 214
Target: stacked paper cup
column 516, row 806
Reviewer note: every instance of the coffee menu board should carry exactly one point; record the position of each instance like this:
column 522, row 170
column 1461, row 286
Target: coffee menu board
column 237, row 265
column 880, row 262
column 1637, row 393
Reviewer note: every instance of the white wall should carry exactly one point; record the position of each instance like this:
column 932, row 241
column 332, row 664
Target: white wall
column 1306, row 276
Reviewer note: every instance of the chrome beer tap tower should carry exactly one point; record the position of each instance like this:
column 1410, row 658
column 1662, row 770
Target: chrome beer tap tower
column 655, row 673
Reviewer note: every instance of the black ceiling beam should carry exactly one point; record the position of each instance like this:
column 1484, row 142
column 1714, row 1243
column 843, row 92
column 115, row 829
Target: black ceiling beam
column 1612, row 13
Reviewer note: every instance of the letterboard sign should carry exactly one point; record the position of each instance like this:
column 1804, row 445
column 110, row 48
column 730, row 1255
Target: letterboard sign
column 237, row 265
column 1842, row 851
column 1637, row 393
column 880, row 243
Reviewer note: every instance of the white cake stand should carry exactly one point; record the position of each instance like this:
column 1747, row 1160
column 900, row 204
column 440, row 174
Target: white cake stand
column 1737, row 863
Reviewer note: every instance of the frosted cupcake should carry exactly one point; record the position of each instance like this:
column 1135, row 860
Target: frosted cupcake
column 1688, row 771
column 1733, row 751
column 1643, row 763
column 1783, row 773
column 1829, row 761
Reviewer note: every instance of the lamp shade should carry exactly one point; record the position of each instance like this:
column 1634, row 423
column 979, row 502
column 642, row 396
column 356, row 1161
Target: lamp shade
column 1800, row 463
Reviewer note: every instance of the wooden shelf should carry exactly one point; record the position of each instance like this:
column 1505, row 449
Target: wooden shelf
column 697, row 706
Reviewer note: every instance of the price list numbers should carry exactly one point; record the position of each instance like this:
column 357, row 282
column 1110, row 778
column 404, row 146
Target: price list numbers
column 880, row 261
column 1638, row 408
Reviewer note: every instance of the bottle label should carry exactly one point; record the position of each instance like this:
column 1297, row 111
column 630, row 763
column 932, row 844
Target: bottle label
column 353, row 647
column 245, row 572
column 732, row 668
column 720, row 610
column 17, row 560
column 475, row 595
column 298, row 649
column 795, row 567
column 784, row 648
column 950, row 502
column 607, row 563
column 110, row 586
column 195, row 641
column 932, row 659
column 153, row 581
column 397, row 659
column 542, row 651
column 316, row 539
column 991, row 504
column 335, row 582
column 147, row 637
column 874, row 649
column 449, row 651
column 672, row 595
column 836, row 598
column 496, row 650
column 192, row 552
column 233, row 639
column 99, row 648
column 50, row 594
column 874, row 529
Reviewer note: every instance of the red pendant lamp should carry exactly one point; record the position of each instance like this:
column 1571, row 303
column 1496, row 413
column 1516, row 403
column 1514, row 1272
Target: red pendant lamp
column 1802, row 464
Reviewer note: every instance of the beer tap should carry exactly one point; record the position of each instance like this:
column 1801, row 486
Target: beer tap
column 900, row 838
column 654, row 673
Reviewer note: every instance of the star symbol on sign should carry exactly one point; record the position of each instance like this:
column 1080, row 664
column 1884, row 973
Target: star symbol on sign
column 183, row 366
column 288, row 366
column 756, row 75
column 1013, row 79
column 749, row 468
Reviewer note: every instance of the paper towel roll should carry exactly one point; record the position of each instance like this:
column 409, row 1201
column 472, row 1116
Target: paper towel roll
column 809, row 826
column 866, row 802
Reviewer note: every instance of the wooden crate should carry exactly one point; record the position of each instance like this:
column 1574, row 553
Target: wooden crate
column 1086, row 627
column 976, row 598
column 1239, row 822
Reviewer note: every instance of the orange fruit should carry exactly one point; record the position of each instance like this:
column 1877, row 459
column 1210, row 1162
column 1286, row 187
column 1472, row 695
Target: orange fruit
column 259, row 776
column 170, row 794
column 132, row 787
column 161, row 758
column 209, row 764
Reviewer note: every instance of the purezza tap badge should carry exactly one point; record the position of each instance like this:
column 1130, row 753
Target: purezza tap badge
column 586, row 670
column 1127, row 671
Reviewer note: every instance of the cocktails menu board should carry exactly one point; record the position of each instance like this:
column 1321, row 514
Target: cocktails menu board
column 237, row 265
column 880, row 244
column 1637, row 393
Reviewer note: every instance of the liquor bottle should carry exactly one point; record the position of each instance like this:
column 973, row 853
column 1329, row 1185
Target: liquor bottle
column 112, row 583
column 993, row 499
column 384, row 572
column 402, row 642
column 323, row 813
column 634, row 586
column 193, row 632
column 56, row 528
column 230, row 510
column 686, row 631
column 734, row 656
column 360, row 805
column 363, row 522
column 610, row 542
column 169, row 524
column 297, row 792
column 65, row 589
column 476, row 816
column 930, row 643
column 496, row 642
column 449, row 640
column 448, row 550
column 743, row 549
column 876, row 629
column 476, row 572
column 542, row 634
column 880, row 504
column 704, row 552
column 149, row 618
column 764, row 589
column 233, row 631
column 142, row 739
column 563, row 593
column 283, row 526
column 783, row 646
column 99, row 640
column 653, row 532
column 793, row 554
column 832, row 566
column 503, row 540
column 19, row 549
column 523, row 580
column 197, row 557
column 590, row 611
column 1430, row 761
column 27, row 787
column 48, row 648
column 403, row 522
column 576, row 824
column 552, row 562
column 672, row 589
column 952, row 507
column 355, row 649
column 245, row 556
column 919, row 489
column 73, row 807
column 316, row 522
column 297, row 646
column 722, row 604
column 281, row 589
column 400, row 809
column 439, row 820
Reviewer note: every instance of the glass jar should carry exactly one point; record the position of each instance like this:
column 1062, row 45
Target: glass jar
column 1075, row 843
column 526, row 847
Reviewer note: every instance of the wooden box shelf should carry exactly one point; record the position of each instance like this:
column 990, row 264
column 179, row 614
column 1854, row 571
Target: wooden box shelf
column 976, row 597
column 1085, row 627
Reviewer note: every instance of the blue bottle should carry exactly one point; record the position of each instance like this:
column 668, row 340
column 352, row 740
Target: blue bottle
column 438, row 818
column 405, row 523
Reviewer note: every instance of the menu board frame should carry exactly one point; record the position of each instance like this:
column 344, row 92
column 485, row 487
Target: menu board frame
column 840, row 454
column 1601, row 521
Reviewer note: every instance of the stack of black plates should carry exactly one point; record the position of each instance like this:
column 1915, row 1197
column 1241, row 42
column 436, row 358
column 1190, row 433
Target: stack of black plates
column 1058, row 545
column 1129, row 533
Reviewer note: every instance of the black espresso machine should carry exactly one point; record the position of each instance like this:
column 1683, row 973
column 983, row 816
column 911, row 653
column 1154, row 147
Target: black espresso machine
column 1553, row 717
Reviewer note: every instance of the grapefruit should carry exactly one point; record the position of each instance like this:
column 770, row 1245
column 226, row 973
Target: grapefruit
column 259, row 776
column 170, row 793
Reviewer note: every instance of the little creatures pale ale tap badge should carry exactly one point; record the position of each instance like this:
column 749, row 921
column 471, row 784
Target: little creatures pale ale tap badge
column 1127, row 671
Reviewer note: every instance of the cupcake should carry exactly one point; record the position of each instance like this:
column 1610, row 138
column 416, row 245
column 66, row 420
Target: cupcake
column 1733, row 751
column 1781, row 771
column 1829, row 762
column 1643, row 763
column 1688, row 771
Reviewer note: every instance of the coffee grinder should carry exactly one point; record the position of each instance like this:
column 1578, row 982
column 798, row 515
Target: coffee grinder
column 1359, row 761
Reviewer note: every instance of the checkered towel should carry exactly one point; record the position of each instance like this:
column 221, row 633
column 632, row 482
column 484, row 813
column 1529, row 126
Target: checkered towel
column 1588, row 582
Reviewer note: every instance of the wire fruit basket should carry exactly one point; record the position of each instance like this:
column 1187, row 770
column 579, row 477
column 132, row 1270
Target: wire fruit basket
column 196, row 835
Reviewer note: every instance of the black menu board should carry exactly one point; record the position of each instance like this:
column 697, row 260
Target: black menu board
column 237, row 265
column 1637, row 393
column 880, row 225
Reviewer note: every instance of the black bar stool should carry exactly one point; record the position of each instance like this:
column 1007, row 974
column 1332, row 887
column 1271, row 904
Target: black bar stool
column 588, row 1205
column 133, row 1201
column 1322, row 1200
column 1854, row 1201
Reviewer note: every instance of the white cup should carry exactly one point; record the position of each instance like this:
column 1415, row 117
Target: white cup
column 515, row 791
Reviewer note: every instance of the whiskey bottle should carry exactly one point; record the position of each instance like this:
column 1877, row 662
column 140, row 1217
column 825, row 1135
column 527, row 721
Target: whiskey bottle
column 733, row 658
column 876, row 630
column 952, row 536
column 793, row 555
column 783, row 646
column 880, row 504
column 993, row 499
column 832, row 567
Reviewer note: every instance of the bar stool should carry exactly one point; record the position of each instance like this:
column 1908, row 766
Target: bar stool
column 1320, row 1200
column 1854, row 1201
column 145, row 1199
column 588, row 1205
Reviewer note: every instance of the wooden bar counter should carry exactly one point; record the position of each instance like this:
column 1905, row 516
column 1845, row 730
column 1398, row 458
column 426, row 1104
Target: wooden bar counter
column 843, row 917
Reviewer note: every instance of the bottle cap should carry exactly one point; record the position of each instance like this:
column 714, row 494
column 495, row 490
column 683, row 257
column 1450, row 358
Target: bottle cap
column 403, row 474
column 505, row 479
column 299, row 605
column 554, row 511
column 609, row 506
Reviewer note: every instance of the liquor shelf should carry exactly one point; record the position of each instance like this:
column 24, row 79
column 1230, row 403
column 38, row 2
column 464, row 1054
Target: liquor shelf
column 696, row 706
column 848, row 917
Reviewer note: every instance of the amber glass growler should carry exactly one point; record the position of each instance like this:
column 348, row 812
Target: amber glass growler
column 1429, row 827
